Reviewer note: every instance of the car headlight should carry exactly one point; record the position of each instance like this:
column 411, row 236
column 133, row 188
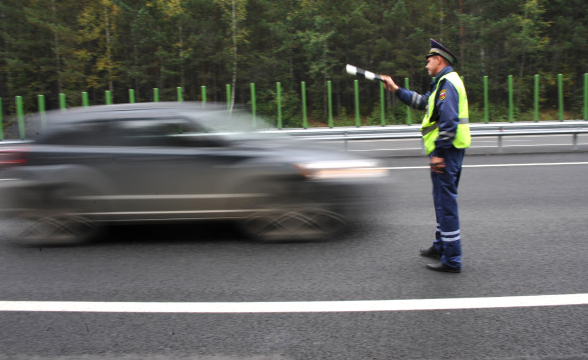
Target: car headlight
column 346, row 169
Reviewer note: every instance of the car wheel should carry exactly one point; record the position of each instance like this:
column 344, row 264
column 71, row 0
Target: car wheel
column 286, row 224
column 60, row 221
column 56, row 229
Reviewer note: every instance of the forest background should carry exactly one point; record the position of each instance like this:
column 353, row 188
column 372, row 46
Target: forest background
column 69, row 46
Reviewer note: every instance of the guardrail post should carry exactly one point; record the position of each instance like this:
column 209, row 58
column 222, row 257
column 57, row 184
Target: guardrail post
column 131, row 96
column 155, row 95
column 560, row 96
column 304, row 117
column 485, row 81
column 62, row 102
column 536, row 97
column 500, row 143
column 510, row 100
column 85, row 102
column 279, row 103
column 356, row 91
column 408, row 113
column 382, row 106
column 203, row 92
column 330, row 103
column 41, row 105
column 253, row 106
column 20, row 116
column 179, row 93
column 108, row 96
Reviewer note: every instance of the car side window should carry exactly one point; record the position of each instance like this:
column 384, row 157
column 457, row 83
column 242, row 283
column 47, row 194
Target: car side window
column 174, row 132
column 83, row 134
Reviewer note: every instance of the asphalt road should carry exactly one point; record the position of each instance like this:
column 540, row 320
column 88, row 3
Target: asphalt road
column 524, row 225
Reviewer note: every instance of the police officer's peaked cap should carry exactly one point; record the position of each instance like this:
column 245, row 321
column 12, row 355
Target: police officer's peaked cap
column 438, row 49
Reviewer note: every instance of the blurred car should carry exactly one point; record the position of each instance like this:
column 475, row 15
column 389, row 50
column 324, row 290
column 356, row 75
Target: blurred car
column 161, row 162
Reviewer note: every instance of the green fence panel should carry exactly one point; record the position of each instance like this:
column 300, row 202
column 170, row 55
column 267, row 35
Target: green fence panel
column 304, row 117
column 20, row 116
column 486, row 104
column 356, row 91
column 229, row 100
column 1, row 121
column 510, row 99
column 330, row 103
column 179, row 94
column 536, row 98
column 85, row 101
column 586, row 96
column 279, row 98
column 62, row 102
column 382, row 105
column 253, row 106
column 41, row 108
column 408, row 112
column 560, row 96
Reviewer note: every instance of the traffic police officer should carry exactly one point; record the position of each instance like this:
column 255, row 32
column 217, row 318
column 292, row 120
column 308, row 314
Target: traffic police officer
column 446, row 134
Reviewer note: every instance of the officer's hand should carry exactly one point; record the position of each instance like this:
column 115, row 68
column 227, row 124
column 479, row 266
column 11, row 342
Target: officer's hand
column 437, row 164
column 389, row 84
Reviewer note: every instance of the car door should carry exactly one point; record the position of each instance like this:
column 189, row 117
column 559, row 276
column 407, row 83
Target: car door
column 169, row 169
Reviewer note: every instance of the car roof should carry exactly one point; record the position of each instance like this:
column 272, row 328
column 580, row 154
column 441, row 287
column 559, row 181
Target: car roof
column 121, row 111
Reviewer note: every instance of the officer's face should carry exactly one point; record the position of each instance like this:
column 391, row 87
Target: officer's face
column 434, row 65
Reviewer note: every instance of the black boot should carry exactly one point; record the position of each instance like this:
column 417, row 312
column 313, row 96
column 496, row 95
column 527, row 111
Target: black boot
column 443, row 268
column 431, row 253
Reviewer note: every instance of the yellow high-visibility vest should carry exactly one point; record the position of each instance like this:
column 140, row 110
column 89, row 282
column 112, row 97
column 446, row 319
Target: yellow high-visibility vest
column 430, row 130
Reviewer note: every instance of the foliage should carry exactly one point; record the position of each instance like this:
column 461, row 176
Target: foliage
column 69, row 46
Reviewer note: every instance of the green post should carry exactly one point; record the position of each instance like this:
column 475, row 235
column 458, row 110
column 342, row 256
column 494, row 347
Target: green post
column 586, row 96
column 20, row 116
column 304, row 117
column 560, row 96
column 486, row 104
column 382, row 105
column 62, row 102
column 279, row 95
column 408, row 113
column 108, row 96
column 155, row 95
column 203, row 91
column 330, row 104
column 510, row 99
column 41, row 106
column 228, row 97
column 1, row 122
column 131, row 96
column 85, row 101
column 253, row 106
column 536, row 98
column 179, row 92
column 356, row 89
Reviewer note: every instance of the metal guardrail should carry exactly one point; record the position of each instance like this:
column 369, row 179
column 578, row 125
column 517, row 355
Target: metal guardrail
column 346, row 134
column 394, row 132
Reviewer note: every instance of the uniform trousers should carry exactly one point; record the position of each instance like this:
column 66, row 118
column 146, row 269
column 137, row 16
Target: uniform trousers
column 448, row 233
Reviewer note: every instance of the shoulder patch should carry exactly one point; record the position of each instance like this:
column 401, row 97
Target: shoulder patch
column 443, row 94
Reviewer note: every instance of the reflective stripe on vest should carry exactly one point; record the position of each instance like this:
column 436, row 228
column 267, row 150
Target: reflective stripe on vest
column 430, row 130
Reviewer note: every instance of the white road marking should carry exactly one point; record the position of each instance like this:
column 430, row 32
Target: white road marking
column 296, row 306
column 490, row 165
